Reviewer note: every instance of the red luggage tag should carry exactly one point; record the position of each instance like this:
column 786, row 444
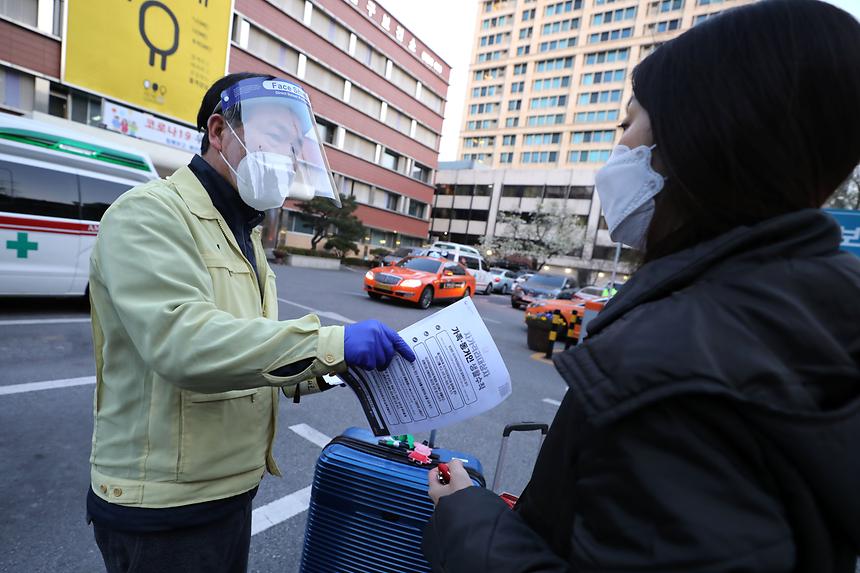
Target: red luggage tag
column 418, row 457
column 444, row 473
column 509, row 498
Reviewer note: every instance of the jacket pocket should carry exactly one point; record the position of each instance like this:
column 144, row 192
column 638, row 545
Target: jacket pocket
column 197, row 398
column 233, row 285
column 224, row 434
column 214, row 261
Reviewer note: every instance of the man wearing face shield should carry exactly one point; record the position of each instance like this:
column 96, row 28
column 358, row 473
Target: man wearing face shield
column 190, row 355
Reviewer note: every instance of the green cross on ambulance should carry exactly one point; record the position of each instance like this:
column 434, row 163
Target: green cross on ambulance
column 54, row 187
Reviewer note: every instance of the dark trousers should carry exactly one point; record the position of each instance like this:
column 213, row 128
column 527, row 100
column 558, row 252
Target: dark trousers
column 218, row 547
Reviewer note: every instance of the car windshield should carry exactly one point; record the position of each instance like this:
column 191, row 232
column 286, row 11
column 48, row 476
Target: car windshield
column 401, row 252
column 595, row 291
column 496, row 271
column 426, row 265
column 546, row 281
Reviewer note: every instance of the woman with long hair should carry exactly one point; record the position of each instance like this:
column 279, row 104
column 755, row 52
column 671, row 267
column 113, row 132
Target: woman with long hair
column 712, row 420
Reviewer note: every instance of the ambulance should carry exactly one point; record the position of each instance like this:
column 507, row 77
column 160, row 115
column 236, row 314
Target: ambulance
column 468, row 256
column 55, row 185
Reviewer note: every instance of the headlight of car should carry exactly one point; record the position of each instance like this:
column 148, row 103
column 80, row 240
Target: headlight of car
column 411, row 283
column 369, row 275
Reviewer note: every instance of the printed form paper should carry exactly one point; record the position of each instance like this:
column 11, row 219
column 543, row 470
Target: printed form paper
column 458, row 373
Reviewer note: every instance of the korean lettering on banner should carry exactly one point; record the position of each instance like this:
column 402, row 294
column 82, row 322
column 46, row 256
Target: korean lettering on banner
column 147, row 127
column 851, row 237
column 849, row 221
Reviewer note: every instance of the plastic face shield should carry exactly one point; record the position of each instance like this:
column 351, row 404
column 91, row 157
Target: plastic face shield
column 274, row 117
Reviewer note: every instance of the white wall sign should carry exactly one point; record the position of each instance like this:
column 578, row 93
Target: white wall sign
column 150, row 128
column 374, row 12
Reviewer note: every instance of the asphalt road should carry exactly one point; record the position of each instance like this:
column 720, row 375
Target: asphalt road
column 45, row 433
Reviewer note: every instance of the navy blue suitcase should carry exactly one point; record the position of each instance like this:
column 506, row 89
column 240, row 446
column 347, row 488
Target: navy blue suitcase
column 369, row 505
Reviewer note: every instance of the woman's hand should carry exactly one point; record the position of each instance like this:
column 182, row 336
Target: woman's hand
column 459, row 480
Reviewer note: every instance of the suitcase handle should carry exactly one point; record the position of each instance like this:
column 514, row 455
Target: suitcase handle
column 525, row 427
column 506, row 433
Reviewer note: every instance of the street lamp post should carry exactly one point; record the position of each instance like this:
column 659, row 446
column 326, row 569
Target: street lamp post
column 615, row 264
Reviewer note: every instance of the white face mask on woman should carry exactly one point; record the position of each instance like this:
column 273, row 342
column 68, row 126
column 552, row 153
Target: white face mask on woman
column 626, row 186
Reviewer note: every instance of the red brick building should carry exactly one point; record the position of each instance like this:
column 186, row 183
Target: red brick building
column 378, row 92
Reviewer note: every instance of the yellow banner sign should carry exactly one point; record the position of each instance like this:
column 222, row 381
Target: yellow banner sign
column 161, row 55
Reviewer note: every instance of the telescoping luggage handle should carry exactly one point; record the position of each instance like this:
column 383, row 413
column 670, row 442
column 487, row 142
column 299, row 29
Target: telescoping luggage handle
column 506, row 433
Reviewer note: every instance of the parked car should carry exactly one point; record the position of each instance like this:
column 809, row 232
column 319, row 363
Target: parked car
column 503, row 280
column 589, row 293
column 400, row 253
column 539, row 286
column 421, row 280
column 522, row 276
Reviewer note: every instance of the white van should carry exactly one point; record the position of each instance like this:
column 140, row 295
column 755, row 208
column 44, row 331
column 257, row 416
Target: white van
column 472, row 259
column 54, row 187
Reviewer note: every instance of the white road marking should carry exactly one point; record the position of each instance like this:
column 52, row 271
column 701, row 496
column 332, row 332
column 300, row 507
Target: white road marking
column 280, row 510
column 47, row 385
column 485, row 319
column 322, row 313
column 291, row 505
column 263, row 517
column 310, row 434
column 42, row 321
column 555, row 403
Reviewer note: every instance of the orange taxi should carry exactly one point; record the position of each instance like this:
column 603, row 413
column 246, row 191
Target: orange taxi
column 569, row 308
column 421, row 280
column 569, row 305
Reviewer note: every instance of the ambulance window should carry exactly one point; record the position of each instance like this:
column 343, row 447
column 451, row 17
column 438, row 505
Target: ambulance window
column 456, row 269
column 471, row 262
column 36, row 191
column 97, row 195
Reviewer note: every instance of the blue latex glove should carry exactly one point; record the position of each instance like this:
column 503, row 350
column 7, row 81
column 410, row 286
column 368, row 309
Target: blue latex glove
column 371, row 345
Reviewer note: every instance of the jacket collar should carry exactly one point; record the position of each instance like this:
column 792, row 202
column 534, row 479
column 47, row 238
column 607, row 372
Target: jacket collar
column 189, row 187
column 224, row 197
column 805, row 233
column 617, row 370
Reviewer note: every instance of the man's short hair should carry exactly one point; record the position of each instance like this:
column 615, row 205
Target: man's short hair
column 212, row 99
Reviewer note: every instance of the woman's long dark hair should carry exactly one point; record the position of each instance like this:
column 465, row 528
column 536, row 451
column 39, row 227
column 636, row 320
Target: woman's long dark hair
column 755, row 113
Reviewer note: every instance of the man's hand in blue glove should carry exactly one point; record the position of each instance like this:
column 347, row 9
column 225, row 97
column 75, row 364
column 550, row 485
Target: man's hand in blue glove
column 371, row 345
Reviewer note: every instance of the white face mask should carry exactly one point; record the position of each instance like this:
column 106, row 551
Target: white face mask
column 626, row 186
column 264, row 178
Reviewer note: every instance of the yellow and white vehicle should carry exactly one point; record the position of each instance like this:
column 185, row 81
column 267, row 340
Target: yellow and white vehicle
column 471, row 258
column 54, row 187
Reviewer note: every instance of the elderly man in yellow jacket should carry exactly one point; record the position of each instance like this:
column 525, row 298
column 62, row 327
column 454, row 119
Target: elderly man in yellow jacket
column 190, row 355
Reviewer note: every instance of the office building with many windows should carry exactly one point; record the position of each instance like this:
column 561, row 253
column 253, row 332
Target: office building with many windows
column 470, row 197
column 377, row 90
column 542, row 116
column 549, row 79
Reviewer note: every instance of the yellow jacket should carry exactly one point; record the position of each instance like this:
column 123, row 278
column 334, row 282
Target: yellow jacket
column 185, row 404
